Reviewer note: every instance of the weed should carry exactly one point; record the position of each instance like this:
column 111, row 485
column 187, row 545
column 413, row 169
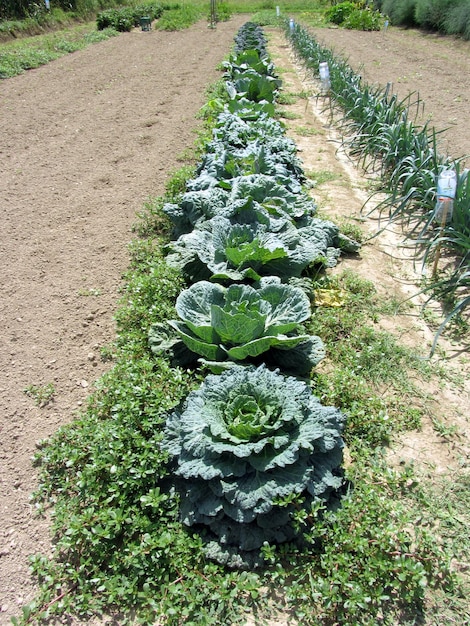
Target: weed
column 321, row 177
column 288, row 115
column 92, row 292
column 285, row 98
column 444, row 430
column 41, row 394
column 307, row 131
column 18, row 56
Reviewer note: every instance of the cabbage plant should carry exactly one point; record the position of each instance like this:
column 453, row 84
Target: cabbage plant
column 245, row 445
column 223, row 251
column 240, row 323
column 225, row 162
column 237, row 132
column 258, row 192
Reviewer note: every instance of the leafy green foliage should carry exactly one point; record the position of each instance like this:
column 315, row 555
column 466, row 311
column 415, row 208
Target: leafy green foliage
column 241, row 197
column 126, row 18
column 355, row 15
column 241, row 323
column 245, row 439
column 373, row 559
column 245, row 252
column 338, row 13
column 364, row 19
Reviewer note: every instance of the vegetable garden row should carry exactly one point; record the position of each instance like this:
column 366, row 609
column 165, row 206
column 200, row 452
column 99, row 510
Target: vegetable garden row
column 405, row 163
column 251, row 438
column 199, row 513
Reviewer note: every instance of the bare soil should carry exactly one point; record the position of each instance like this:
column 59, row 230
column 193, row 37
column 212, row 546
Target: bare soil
column 84, row 142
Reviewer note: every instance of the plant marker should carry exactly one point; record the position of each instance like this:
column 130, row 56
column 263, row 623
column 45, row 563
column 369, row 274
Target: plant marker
column 324, row 78
column 446, row 186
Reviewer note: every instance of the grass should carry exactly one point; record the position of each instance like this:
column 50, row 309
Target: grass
column 23, row 54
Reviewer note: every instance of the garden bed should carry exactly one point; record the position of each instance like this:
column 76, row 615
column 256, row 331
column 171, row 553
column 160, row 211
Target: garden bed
column 105, row 133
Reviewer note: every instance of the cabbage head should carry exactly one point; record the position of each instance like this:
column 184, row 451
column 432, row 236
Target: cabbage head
column 244, row 441
column 223, row 251
column 244, row 199
column 241, row 322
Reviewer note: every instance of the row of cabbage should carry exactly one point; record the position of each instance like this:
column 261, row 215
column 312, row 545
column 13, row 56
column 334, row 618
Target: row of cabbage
column 252, row 445
column 381, row 135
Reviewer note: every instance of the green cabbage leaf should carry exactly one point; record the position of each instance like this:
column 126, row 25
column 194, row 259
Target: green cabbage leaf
column 241, row 196
column 241, row 322
column 220, row 250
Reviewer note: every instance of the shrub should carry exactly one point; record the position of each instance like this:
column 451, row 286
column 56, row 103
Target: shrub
column 400, row 12
column 364, row 19
column 126, row 18
column 457, row 20
column 432, row 13
column 338, row 13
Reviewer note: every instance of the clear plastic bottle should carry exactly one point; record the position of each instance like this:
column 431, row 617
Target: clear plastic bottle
column 446, row 186
column 325, row 78
column 291, row 24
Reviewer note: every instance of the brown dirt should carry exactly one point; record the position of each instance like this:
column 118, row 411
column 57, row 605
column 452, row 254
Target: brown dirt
column 85, row 141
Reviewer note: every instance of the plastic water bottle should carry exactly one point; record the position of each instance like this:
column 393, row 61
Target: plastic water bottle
column 278, row 11
column 291, row 24
column 324, row 77
column 446, row 186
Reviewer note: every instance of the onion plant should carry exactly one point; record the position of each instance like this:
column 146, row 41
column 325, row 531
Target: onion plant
column 383, row 139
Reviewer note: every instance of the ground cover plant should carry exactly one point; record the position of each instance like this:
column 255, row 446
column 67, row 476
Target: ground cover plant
column 121, row 546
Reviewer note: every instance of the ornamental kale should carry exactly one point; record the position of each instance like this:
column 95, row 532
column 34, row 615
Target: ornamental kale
column 241, row 322
column 245, row 441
